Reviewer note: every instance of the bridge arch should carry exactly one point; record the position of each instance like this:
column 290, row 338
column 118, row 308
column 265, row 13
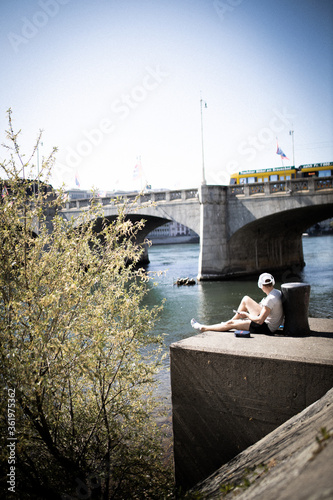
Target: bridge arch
column 151, row 223
column 273, row 241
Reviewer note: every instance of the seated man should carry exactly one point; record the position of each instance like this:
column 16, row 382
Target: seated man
column 265, row 317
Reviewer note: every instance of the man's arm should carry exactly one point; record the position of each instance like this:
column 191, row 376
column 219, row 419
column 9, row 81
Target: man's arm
column 257, row 319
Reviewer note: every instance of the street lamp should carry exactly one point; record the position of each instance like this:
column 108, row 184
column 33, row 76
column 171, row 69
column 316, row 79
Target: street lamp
column 202, row 143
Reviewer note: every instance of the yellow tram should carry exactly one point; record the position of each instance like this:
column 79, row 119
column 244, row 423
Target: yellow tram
column 282, row 173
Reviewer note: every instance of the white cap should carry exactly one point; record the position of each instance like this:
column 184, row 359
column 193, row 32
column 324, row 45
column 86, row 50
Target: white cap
column 265, row 279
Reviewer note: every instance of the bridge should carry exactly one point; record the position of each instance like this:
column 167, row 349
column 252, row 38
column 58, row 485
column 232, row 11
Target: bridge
column 243, row 229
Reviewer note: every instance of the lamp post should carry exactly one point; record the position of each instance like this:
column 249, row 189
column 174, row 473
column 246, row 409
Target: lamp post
column 202, row 144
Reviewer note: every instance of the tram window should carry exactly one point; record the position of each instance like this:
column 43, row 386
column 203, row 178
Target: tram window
column 324, row 173
column 251, row 180
column 260, row 179
column 309, row 174
column 233, row 181
column 243, row 180
column 266, row 179
column 281, row 177
column 273, row 177
column 288, row 177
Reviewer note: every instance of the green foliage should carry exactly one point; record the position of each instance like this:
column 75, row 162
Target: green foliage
column 75, row 347
column 324, row 435
column 226, row 488
column 322, row 440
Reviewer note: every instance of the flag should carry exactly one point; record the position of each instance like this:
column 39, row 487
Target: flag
column 137, row 172
column 280, row 152
column 77, row 182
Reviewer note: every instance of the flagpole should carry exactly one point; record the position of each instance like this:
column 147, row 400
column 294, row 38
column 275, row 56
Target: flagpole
column 202, row 146
column 141, row 174
column 291, row 132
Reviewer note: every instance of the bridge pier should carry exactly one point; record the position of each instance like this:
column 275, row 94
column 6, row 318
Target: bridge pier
column 214, row 255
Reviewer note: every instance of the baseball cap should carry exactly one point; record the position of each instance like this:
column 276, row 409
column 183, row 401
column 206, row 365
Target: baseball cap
column 265, row 279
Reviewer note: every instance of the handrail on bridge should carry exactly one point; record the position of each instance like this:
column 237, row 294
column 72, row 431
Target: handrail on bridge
column 290, row 186
column 153, row 196
column 287, row 187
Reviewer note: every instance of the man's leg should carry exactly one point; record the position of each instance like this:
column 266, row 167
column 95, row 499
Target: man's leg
column 232, row 324
column 236, row 322
column 248, row 305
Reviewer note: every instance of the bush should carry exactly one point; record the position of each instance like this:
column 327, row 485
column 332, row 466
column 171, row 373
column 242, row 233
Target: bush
column 78, row 361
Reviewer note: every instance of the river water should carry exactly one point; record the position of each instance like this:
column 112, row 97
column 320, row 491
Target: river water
column 213, row 302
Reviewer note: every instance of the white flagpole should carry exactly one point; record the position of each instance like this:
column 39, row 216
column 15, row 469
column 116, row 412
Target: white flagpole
column 202, row 145
column 291, row 132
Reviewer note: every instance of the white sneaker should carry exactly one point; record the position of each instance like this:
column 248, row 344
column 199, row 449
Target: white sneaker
column 195, row 324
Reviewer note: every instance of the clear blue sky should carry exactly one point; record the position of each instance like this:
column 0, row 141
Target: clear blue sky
column 110, row 81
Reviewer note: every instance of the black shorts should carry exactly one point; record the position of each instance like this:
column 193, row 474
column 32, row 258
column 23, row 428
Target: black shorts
column 263, row 329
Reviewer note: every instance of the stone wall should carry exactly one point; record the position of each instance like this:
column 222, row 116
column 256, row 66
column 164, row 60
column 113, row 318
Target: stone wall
column 228, row 392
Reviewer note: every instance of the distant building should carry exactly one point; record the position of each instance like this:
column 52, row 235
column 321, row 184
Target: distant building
column 173, row 232
column 177, row 229
column 77, row 194
column 80, row 194
column 321, row 228
column 160, row 232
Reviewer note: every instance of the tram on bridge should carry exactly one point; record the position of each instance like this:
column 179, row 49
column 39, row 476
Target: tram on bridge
column 282, row 173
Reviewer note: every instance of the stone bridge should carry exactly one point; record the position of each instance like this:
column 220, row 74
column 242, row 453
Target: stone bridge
column 243, row 229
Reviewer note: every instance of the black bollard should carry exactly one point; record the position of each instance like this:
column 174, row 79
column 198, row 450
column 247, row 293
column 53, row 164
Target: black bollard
column 295, row 299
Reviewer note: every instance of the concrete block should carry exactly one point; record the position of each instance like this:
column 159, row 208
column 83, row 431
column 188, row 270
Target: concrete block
column 228, row 392
column 292, row 462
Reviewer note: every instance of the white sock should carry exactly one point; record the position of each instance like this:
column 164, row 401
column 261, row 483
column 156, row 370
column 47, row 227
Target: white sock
column 195, row 324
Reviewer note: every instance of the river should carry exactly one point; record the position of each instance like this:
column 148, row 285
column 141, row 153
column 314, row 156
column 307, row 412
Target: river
column 212, row 302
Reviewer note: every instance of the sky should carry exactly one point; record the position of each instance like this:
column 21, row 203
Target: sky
column 132, row 91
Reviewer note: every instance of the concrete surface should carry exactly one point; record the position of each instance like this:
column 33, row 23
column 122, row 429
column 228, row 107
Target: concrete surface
column 313, row 348
column 293, row 462
column 228, row 392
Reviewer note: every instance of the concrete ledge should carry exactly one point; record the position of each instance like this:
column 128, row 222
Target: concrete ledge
column 292, row 462
column 228, row 392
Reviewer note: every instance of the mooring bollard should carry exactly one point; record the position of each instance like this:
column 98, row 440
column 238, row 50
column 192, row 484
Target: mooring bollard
column 295, row 298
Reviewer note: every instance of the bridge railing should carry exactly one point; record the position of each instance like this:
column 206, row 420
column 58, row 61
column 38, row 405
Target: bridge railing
column 310, row 184
column 153, row 196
